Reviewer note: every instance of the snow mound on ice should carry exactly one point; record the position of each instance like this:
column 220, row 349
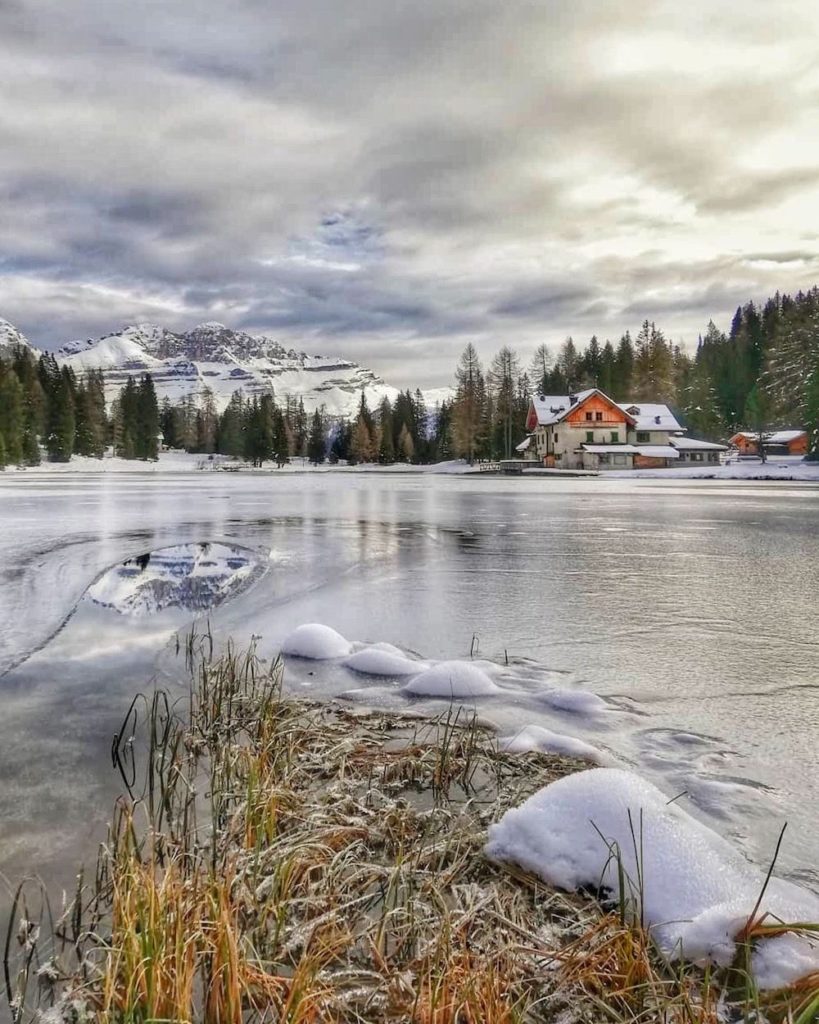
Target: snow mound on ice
column 317, row 642
column 535, row 737
column 189, row 576
column 697, row 889
column 451, row 679
column 375, row 662
column 580, row 701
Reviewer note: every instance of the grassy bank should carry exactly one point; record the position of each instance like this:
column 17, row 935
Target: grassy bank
column 279, row 860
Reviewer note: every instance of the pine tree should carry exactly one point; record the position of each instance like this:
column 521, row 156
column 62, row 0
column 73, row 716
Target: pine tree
column 468, row 409
column 539, row 369
column 301, row 429
column 147, row 420
column 315, row 442
column 280, row 439
column 60, row 440
column 11, row 415
column 406, row 447
column 504, row 379
column 386, row 447
column 230, row 433
column 622, row 387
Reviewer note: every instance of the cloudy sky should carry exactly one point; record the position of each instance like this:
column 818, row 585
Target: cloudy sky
column 388, row 179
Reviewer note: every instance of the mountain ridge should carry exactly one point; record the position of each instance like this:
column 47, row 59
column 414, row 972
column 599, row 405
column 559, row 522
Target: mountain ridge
column 216, row 358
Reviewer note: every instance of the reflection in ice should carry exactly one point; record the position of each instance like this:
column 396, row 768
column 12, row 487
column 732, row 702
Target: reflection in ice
column 193, row 577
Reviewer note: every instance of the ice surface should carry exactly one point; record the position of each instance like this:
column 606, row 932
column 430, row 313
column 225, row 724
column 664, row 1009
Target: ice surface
column 374, row 662
column 188, row 576
column 697, row 889
column 535, row 737
column 317, row 642
column 451, row 679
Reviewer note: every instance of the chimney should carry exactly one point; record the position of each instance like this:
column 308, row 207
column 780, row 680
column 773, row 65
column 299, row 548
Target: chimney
column 657, row 419
column 572, row 399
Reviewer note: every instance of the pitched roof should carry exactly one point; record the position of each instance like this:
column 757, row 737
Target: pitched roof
column 551, row 409
column 687, row 444
column 651, row 416
column 776, row 437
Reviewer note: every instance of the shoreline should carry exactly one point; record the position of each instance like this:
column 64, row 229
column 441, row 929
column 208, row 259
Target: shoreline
column 784, row 469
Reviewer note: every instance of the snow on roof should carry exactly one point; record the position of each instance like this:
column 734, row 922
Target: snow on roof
column 783, row 436
column 774, row 437
column 687, row 444
column 651, row 416
column 552, row 408
column 600, row 449
column 524, row 444
column 658, row 451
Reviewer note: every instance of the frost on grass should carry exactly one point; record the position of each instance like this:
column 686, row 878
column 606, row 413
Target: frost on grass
column 317, row 642
column 374, row 661
column 691, row 887
column 451, row 679
column 535, row 737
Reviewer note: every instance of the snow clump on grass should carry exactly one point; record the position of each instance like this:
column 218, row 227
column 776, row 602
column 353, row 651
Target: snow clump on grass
column 693, row 889
column 451, row 679
column 317, row 642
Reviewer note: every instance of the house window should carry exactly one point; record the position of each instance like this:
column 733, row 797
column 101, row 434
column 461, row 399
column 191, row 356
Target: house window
column 619, row 460
column 589, row 437
column 696, row 456
column 615, row 436
column 598, row 416
column 643, row 437
column 555, row 438
column 604, row 459
column 588, row 416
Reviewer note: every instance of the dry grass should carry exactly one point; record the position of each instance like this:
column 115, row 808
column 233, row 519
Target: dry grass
column 287, row 861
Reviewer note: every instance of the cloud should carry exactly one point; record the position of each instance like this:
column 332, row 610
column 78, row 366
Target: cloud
column 390, row 181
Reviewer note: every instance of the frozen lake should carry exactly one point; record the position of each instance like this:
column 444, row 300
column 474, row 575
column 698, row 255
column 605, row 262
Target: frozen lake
column 689, row 607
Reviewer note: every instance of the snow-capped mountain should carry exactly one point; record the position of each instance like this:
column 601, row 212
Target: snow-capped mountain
column 214, row 357
column 10, row 338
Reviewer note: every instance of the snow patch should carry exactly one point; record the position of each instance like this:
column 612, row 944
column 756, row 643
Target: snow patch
column 697, row 889
column 451, row 679
column 375, row 662
column 579, row 701
column 535, row 737
column 316, row 642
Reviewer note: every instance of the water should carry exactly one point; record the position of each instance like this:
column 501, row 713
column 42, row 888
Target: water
column 689, row 606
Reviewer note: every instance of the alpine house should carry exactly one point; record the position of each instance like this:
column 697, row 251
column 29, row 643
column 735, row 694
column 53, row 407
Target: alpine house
column 589, row 430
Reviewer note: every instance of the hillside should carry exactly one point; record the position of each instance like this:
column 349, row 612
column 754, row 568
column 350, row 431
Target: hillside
column 212, row 356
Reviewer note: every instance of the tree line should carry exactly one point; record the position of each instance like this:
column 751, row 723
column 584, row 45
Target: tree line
column 762, row 374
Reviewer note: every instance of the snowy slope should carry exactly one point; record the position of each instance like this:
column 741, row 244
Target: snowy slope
column 10, row 338
column 214, row 357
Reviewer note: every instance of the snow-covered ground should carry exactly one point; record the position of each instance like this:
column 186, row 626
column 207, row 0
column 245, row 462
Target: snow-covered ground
column 187, row 462
column 778, row 467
